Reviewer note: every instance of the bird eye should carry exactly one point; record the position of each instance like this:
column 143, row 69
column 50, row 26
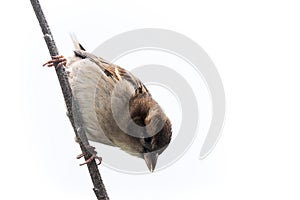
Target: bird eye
column 147, row 140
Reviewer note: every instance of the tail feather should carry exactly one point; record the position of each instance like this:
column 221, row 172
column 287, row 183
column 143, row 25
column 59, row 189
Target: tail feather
column 76, row 43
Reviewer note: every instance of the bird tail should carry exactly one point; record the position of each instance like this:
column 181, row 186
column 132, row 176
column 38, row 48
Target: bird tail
column 76, row 43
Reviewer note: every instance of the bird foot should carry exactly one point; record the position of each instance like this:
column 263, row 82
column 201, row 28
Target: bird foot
column 93, row 157
column 56, row 59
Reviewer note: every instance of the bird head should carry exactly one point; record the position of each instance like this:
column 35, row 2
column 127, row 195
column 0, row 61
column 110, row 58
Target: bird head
column 157, row 132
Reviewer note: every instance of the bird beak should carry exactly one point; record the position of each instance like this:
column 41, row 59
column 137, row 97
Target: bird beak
column 151, row 159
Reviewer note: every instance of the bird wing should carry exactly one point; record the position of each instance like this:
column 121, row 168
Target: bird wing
column 113, row 71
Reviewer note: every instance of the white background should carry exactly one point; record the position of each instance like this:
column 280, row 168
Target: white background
column 255, row 46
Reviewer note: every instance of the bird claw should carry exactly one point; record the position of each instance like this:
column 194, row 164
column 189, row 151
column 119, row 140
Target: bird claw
column 56, row 59
column 93, row 157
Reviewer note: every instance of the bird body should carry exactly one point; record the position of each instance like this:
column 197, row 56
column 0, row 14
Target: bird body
column 116, row 107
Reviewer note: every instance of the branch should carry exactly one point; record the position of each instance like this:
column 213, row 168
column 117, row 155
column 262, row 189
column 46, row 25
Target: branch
column 72, row 107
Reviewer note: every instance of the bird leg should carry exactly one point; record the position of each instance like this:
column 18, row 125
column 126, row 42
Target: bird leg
column 56, row 59
column 93, row 157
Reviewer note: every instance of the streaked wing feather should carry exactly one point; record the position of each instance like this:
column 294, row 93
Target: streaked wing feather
column 115, row 72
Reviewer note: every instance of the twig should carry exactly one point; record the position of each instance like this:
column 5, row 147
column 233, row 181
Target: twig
column 72, row 107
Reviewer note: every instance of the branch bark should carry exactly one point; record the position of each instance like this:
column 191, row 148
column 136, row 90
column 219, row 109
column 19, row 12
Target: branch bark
column 72, row 107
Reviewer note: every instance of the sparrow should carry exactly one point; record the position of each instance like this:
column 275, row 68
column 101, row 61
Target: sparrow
column 116, row 107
